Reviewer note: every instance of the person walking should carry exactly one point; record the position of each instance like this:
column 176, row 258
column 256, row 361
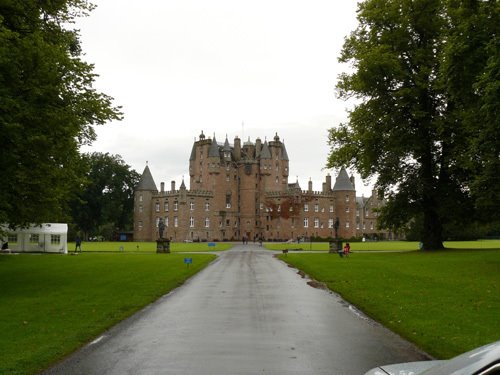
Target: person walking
column 78, row 244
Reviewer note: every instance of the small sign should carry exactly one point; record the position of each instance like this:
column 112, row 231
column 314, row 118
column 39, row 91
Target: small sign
column 188, row 261
column 211, row 244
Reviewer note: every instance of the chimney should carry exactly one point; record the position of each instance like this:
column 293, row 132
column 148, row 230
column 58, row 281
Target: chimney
column 328, row 182
column 237, row 148
column 162, row 187
column 173, row 185
column 310, row 185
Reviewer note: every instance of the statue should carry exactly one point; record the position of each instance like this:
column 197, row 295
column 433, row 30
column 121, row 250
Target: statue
column 336, row 226
column 161, row 227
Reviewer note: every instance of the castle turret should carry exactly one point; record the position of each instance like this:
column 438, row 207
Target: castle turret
column 143, row 206
column 345, row 204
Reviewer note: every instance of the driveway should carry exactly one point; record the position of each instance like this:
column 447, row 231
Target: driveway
column 246, row 313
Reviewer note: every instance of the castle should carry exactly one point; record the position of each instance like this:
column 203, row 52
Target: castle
column 241, row 191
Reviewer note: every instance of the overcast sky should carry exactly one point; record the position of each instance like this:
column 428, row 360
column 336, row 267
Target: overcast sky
column 225, row 67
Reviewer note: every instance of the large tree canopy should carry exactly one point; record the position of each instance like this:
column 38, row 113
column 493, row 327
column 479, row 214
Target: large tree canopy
column 47, row 108
column 107, row 196
column 422, row 73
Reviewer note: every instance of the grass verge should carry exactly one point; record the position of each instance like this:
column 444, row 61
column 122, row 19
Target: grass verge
column 384, row 245
column 446, row 302
column 149, row 247
column 50, row 305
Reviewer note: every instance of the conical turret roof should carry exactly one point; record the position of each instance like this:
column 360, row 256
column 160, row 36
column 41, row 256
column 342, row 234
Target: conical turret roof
column 213, row 151
column 343, row 183
column 284, row 154
column 146, row 182
column 265, row 153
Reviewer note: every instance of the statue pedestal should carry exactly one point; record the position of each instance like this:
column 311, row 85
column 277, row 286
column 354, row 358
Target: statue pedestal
column 336, row 247
column 162, row 245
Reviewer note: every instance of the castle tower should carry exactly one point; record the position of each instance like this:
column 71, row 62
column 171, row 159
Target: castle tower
column 345, row 204
column 143, row 207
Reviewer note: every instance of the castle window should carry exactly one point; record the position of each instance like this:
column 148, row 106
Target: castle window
column 157, row 207
column 330, row 223
column 306, row 207
column 277, row 180
column 316, row 223
column 166, row 221
column 228, row 200
column 140, row 198
column 207, row 206
column 261, row 206
column 371, row 225
column 331, row 208
column 347, row 209
column 176, row 221
column 347, row 224
column 176, row 206
column 306, row 222
column 207, row 222
column 316, row 207
column 347, row 198
column 357, row 226
column 165, row 206
column 357, row 213
column 227, row 177
column 157, row 221
column 140, row 225
column 279, row 207
column 191, row 222
column 140, row 208
column 191, row 206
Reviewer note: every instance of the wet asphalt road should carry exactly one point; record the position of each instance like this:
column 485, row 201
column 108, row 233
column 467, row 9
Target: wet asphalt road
column 247, row 313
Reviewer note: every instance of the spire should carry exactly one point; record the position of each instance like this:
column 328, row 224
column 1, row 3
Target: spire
column 183, row 185
column 213, row 152
column 146, row 182
column 343, row 182
column 265, row 153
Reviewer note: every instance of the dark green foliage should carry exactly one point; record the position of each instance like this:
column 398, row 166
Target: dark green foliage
column 106, row 197
column 426, row 76
column 47, row 108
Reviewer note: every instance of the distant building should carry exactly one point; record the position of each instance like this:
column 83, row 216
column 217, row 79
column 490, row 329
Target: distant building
column 242, row 191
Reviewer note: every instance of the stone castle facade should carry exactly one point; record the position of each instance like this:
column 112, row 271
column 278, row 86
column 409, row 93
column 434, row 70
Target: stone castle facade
column 241, row 191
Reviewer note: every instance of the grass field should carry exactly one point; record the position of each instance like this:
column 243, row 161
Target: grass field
column 149, row 247
column 446, row 302
column 52, row 304
column 384, row 245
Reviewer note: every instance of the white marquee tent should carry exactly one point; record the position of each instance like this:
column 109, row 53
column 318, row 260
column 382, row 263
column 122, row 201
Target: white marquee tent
column 45, row 238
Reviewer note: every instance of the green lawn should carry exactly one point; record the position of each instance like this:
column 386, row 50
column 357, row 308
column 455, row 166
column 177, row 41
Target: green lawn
column 149, row 247
column 384, row 245
column 446, row 302
column 52, row 304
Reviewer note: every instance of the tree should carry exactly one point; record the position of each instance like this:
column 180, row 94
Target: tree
column 107, row 196
column 47, row 108
column 405, row 129
column 471, row 76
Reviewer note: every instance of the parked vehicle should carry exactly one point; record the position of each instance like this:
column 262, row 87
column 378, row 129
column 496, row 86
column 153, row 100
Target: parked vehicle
column 484, row 360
